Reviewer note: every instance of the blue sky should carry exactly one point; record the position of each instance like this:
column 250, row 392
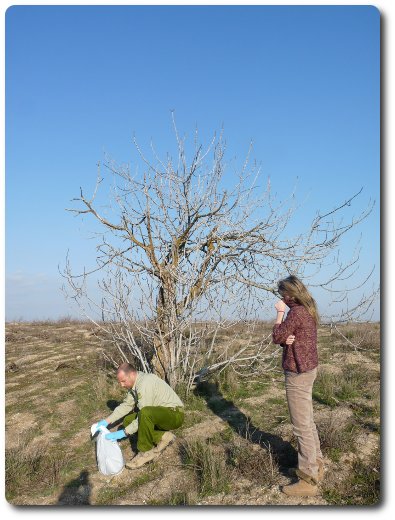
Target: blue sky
column 302, row 82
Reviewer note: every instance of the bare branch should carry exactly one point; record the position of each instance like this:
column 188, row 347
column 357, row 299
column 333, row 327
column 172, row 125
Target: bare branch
column 182, row 259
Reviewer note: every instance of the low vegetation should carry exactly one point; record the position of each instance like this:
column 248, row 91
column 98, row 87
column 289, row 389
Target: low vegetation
column 360, row 487
column 208, row 465
column 235, row 446
column 30, row 465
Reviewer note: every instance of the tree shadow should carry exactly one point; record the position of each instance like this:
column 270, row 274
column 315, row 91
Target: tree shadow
column 77, row 492
column 285, row 454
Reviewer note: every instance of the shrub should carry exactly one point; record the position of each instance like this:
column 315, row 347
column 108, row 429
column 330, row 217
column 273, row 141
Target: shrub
column 208, row 466
column 336, row 438
column 258, row 465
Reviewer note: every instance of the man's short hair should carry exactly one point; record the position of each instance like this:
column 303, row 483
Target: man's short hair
column 126, row 368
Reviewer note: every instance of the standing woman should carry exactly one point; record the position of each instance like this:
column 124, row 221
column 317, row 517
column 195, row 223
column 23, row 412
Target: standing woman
column 300, row 361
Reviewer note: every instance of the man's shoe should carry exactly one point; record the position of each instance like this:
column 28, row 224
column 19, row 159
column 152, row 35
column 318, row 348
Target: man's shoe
column 132, row 456
column 143, row 457
column 166, row 440
column 301, row 489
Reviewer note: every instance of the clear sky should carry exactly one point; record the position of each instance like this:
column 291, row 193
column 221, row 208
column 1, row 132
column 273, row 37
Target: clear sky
column 302, row 82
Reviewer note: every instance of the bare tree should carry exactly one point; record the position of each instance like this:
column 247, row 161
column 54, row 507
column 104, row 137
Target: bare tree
column 183, row 256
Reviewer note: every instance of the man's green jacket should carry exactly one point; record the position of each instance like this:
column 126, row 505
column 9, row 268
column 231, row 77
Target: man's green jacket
column 148, row 390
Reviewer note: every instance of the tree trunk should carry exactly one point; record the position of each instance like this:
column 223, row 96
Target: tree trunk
column 166, row 329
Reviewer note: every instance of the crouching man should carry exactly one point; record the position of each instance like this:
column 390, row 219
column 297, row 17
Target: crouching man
column 156, row 409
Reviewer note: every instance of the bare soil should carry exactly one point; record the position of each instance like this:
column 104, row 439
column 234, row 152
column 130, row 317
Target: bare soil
column 51, row 386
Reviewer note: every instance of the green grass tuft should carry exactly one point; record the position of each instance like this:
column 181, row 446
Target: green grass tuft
column 208, row 465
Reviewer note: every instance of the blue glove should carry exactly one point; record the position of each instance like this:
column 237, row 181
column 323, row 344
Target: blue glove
column 116, row 436
column 96, row 427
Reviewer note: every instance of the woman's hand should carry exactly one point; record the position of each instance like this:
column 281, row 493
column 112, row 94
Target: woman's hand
column 280, row 306
column 290, row 340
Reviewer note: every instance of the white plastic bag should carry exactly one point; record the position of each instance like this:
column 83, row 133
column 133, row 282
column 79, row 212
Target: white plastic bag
column 109, row 455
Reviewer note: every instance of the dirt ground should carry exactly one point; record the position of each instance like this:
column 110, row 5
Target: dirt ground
column 46, row 400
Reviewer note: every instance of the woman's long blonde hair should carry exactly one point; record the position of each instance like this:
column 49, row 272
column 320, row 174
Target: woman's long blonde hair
column 295, row 289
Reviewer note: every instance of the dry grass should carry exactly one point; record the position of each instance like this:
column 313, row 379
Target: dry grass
column 30, row 464
column 208, row 465
column 353, row 380
column 336, row 437
column 59, row 366
column 362, row 336
column 258, row 465
column 360, row 487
